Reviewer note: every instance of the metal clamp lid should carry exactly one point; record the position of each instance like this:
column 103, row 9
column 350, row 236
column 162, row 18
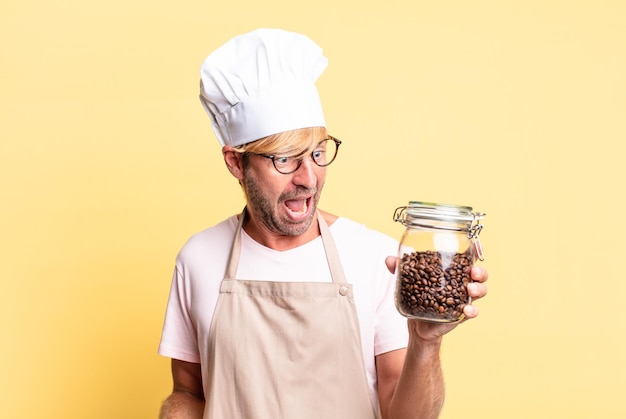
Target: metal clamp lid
column 435, row 216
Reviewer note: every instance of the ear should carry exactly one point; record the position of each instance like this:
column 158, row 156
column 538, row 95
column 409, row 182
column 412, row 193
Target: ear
column 233, row 161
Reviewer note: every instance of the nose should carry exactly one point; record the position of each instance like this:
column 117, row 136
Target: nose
column 306, row 174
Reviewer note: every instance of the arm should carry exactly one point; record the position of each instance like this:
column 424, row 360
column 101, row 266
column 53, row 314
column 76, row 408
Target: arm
column 410, row 381
column 187, row 398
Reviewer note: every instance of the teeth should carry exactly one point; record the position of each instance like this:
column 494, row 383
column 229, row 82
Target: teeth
column 297, row 206
column 304, row 207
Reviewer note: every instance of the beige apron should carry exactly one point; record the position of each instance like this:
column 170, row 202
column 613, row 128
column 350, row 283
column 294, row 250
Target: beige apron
column 286, row 350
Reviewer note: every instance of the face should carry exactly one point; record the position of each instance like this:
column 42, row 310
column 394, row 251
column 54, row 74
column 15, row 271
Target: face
column 281, row 204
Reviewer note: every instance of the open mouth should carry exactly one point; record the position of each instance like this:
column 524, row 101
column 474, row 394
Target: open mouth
column 298, row 208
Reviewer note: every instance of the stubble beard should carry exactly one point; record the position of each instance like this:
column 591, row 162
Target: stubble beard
column 268, row 213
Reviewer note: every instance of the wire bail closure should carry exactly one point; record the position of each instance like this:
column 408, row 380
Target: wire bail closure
column 473, row 233
column 439, row 212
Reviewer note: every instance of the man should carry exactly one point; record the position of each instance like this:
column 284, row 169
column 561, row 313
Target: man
column 286, row 311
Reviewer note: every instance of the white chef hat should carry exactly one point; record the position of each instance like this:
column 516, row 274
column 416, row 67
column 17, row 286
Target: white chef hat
column 262, row 83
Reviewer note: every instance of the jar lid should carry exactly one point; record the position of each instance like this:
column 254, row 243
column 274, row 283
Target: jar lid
column 419, row 210
column 428, row 215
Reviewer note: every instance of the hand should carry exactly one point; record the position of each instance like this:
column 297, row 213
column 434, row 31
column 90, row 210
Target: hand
column 434, row 331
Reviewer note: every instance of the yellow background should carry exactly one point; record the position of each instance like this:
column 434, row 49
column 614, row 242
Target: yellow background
column 108, row 164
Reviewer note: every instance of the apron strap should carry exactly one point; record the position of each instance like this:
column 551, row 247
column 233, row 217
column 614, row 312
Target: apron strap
column 334, row 263
column 235, row 250
column 332, row 255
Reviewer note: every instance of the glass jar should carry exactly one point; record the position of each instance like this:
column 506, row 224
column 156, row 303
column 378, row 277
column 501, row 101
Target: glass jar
column 435, row 257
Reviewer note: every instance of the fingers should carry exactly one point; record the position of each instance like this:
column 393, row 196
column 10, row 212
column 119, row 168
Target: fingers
column 479, row 274
column 476, row 290
column 470, row 312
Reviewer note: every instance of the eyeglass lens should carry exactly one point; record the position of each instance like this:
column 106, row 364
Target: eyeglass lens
column 323, row 155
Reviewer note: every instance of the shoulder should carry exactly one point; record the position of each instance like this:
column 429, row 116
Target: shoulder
column 351, row 232
column 213, row 241
column 361, row 245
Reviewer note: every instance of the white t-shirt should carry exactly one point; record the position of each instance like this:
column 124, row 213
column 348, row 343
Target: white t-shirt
column 201, row 265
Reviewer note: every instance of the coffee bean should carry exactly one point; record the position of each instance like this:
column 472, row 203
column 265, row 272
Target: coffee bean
column 433, row 285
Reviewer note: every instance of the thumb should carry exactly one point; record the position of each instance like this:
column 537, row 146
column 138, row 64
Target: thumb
column 391, row 262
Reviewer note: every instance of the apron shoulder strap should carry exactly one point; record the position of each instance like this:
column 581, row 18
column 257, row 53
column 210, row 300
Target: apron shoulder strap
column 332, row 255
column 235, row 250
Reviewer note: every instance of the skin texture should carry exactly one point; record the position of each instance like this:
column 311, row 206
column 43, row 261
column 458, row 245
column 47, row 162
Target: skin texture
column 270, row 220
column 268, row 212
column 187, row 398
column 410, row 381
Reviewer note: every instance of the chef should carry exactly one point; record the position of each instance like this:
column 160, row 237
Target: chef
column 283, row 310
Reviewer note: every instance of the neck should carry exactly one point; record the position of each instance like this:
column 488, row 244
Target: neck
column 275, row 240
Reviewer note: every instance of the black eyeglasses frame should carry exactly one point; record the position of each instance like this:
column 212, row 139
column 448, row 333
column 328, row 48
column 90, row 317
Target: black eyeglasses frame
column 273, row 157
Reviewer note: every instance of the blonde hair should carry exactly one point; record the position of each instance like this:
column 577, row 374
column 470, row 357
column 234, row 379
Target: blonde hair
column 296, row 143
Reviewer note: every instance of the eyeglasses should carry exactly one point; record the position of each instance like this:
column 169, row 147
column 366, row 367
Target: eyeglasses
column 323, row 155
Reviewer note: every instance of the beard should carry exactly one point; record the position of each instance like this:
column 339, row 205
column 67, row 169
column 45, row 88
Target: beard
column 268, row 211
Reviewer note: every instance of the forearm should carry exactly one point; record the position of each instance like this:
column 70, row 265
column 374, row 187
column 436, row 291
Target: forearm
column 419, row 393
column 182, row 405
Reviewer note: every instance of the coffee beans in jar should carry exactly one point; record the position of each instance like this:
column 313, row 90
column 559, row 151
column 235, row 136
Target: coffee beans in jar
column 435, row 259
column 433, row 285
